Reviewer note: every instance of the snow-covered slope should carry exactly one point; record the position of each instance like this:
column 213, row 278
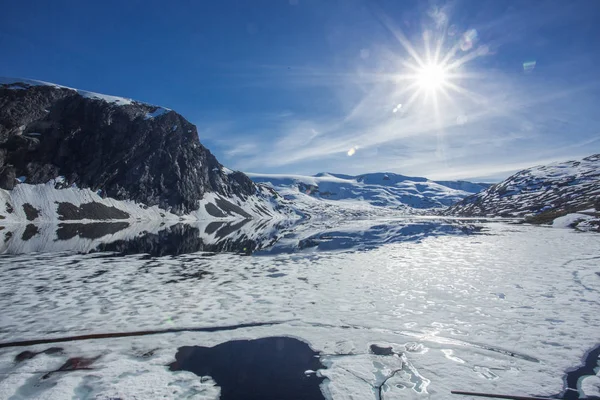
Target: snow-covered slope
column 45, row 203
column 377, row 189
column 542, row 194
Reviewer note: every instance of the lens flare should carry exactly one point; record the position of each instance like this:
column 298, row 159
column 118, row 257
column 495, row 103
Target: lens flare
column 528, row 66
column 352, row 151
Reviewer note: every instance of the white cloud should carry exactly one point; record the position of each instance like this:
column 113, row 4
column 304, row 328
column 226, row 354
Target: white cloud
column 242, row 149
column 497, row 121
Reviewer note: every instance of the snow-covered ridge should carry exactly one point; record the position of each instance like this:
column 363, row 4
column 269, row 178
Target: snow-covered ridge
column 19, row 83
column 542, row 193
column 377, row 189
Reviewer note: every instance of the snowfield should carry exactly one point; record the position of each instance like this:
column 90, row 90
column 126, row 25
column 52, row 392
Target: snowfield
column 378, row 189
column 485, row 306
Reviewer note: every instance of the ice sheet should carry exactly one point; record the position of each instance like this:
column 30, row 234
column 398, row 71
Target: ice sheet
column 508, row 311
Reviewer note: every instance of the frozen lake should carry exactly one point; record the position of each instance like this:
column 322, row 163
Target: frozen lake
column 391, row 308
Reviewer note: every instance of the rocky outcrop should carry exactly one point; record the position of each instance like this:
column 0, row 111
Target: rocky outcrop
column 540, row 194
column 116, row 147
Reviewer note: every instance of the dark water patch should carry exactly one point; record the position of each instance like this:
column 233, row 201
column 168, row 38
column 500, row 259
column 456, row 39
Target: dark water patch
column 93, row 230
column 260, row 369
column 573, row 377
column 381, row 350
column 30, row 231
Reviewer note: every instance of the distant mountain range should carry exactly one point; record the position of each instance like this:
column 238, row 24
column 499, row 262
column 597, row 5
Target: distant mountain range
column 564, row 193
column 378, row 189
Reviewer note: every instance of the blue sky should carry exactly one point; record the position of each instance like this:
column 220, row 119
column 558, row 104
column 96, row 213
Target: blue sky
column 295, row 86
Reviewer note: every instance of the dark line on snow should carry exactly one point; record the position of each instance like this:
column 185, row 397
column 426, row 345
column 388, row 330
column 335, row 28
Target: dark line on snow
column 91, row 336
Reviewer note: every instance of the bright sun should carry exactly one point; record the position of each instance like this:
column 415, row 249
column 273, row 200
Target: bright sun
column 431, row 77
column 435, row 73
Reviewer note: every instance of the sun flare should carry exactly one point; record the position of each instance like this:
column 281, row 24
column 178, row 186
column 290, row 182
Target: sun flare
column 431, row 77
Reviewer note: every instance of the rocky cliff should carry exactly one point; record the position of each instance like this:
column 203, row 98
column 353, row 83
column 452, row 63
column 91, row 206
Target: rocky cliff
column 117, row 148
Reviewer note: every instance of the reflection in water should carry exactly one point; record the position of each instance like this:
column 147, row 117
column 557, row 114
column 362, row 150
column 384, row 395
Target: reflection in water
column 370, row 234
column 154, row 238
column 241, row 236
column 93, row 230
column 261, row 369
column 184, row 239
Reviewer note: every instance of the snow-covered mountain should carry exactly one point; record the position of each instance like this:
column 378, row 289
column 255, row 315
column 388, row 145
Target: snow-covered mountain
column 569, row 190
column 377, row 189
column 74, row 155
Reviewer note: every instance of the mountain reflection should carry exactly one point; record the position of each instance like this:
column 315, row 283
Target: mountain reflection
column 159, row 238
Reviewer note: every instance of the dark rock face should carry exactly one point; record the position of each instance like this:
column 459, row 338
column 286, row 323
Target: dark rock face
column 127, row 151
column 70, row 212
column 30, row 212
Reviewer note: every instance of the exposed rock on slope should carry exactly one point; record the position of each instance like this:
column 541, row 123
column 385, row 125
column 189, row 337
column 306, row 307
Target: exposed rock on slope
column 541, row 193
column 118, row 148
